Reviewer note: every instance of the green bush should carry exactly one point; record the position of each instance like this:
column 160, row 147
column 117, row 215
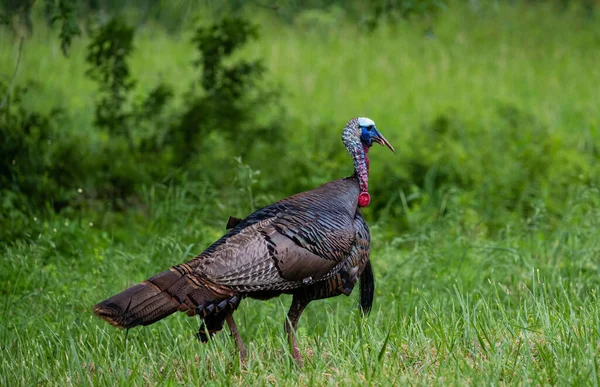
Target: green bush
column 487, row 168
column 136, row 141
column 39, row 166
column 492, row 175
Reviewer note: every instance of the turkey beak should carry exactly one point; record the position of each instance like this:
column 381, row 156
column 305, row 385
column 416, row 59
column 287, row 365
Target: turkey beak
column 378, row 138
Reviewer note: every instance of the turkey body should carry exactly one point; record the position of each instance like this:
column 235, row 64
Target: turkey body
column 312, row 245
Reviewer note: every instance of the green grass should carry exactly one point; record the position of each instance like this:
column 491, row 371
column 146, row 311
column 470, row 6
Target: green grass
column 456, row 303
column 451, row 307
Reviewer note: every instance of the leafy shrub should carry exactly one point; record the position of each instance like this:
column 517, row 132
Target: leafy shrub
column 39, row 166
column 135, row 143
column 489, row 176
column 107, row 56
column 230, row 99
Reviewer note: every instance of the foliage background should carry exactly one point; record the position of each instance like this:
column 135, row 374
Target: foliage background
column 132, row 130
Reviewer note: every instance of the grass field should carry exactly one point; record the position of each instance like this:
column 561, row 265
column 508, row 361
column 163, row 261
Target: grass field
column 458, row 302
column 451, row 307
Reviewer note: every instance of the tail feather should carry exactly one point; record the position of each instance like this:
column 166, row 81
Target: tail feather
column 367, row 289
column 153, row 300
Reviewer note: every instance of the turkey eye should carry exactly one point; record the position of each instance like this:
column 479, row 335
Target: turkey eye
column 370, row 128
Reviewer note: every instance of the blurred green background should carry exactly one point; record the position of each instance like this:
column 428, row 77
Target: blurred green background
column 131, row 130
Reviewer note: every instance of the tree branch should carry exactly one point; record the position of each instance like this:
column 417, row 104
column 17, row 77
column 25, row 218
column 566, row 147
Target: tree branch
column 14, row 75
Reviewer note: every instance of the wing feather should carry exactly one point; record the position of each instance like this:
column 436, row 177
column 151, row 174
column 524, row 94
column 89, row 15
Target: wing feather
column 282, row 245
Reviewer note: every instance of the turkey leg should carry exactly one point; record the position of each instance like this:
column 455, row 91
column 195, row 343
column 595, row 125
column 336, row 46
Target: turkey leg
column 291, row 324
column 237, row 337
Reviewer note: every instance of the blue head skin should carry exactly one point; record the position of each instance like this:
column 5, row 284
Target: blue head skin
column 358, row 136
column 369, row 133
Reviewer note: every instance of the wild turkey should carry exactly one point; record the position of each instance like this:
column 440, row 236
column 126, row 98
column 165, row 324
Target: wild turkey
column 312, row 245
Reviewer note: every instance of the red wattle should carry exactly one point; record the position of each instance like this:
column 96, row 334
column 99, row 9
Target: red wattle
column 364, row 199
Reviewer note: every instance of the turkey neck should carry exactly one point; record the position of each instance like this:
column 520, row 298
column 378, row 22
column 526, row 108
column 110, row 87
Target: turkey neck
column 361, row 165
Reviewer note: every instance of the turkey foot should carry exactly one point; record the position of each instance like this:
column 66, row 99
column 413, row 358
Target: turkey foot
column 291, row 324
column 238, row 339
